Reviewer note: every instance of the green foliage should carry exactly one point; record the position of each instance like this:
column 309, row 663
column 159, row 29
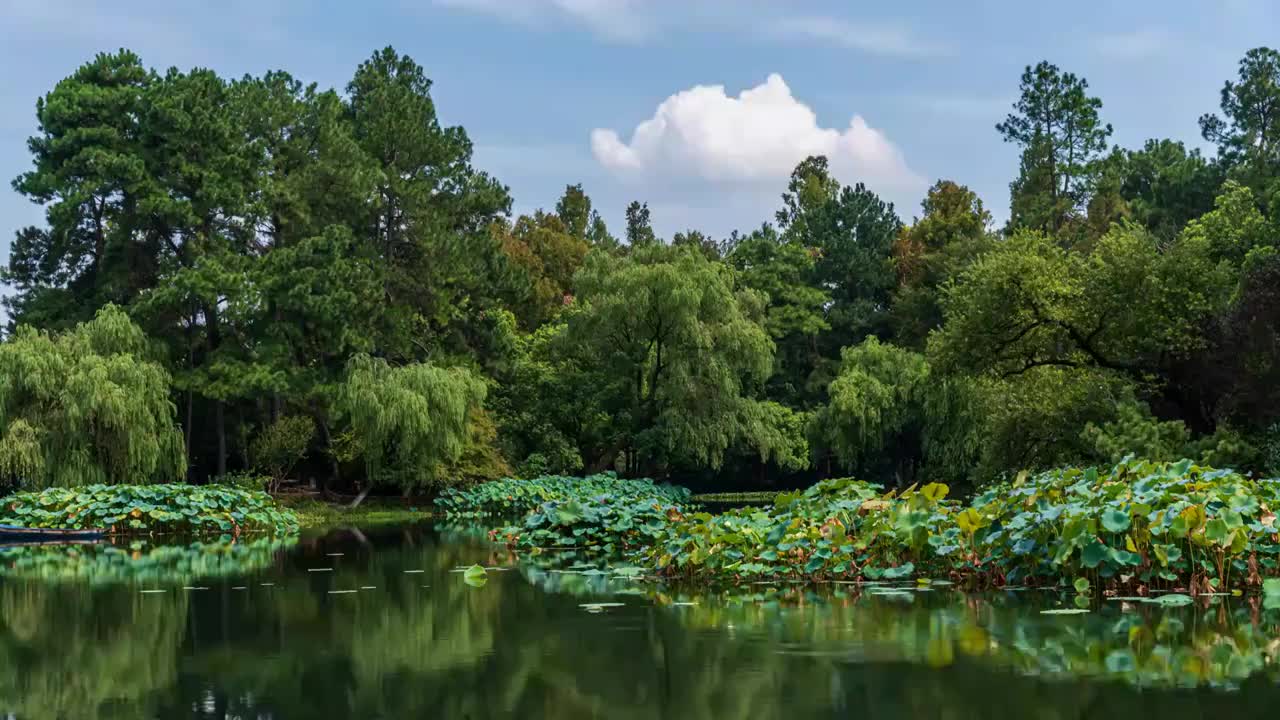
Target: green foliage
column 838, row 529
column 877, row 403
column 1122, row 308
column 1249, row 134
column 86, row 406
column 1134, row 431
column 149, row 509
column 481, row 458
column 851, row 232
column 281, row 445
column 952, row 232
column 410, row 421
column 795, row 313
column 246, row 481
column 606, row 524
column 1057, row 125
column 1162, row 187
column 677, row 350
column 513, row 498
column 269, row 237
column 1234, row 227
column 1139, row 523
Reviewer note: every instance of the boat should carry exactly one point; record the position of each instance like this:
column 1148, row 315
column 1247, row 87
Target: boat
column 12, row 534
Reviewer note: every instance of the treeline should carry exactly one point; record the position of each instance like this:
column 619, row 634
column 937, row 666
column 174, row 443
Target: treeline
column 331, row 289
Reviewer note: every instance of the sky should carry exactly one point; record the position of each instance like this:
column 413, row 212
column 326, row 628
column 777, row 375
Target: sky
column 699, row 107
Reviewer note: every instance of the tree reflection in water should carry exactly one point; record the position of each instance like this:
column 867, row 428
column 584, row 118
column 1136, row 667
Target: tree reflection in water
column 425, row 644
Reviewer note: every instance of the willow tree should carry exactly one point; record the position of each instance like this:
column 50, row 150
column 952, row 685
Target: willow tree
column 408, row 421
column 86, row 406
column 678, row 351
column 876, row 417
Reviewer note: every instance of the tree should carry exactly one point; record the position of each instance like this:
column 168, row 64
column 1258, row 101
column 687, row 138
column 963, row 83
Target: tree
column 1162, row 186
column 1248, row 134
column 699, row 242
column 90, row 174
column 875, row 420
column 433, row 212
column 550, row 402
column 1056, row 124
column 409, row 421
column 542, row 247
column 1125, row 308
column 851, row 231
column 678, row 350
column 574, row 210
column 639, row 228
column 86, row 406
column 795, row 314
column 937, row 247
column 1244, row 369
column 1234, row 227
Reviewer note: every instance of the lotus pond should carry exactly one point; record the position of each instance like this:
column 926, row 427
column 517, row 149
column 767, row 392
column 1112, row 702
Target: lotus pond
column 428, row 620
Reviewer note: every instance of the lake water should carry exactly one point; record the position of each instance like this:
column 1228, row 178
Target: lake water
column 382, row 624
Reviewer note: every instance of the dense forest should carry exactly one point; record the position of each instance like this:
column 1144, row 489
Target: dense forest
column 259, row 276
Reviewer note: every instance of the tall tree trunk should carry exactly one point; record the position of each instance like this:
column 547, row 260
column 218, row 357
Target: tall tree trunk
column 219, row 419
column 333, row 460
column 360, row 498
column 214, row 333
column 186, row 431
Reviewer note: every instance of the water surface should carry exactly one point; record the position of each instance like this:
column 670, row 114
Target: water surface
column 381, row 624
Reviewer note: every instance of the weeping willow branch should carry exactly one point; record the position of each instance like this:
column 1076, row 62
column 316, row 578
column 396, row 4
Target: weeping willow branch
column 86, row 407
column 409, row 421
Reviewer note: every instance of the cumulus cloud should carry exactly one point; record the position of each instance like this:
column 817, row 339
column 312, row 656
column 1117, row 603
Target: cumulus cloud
column 758, row 136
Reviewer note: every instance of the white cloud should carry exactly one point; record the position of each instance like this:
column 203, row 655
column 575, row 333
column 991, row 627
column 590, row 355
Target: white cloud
column 757, row 137
column 877, row 38
column 622, row 20
column 1135, row 44
column 634, row 21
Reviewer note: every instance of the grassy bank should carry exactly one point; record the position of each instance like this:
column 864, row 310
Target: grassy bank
column 756, row 497
column 313, row 512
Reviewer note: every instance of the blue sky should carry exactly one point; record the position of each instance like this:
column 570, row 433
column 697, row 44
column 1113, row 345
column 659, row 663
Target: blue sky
column 551, row 91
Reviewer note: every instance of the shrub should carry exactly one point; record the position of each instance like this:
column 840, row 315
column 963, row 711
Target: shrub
column 280, row 446
column 603, row 524
column 244, row 480
column 143, row 509
column 514, row 498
